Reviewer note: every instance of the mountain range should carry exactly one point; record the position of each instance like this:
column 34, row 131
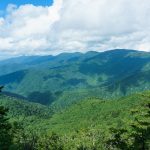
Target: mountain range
column 69, row 77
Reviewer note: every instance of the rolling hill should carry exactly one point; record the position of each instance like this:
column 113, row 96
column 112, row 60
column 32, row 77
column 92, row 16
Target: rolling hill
column 18, row 107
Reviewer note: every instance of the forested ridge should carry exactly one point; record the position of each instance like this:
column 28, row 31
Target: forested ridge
column 69, row 77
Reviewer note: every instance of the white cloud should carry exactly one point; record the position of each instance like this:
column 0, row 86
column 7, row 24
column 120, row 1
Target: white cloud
column 75, row 25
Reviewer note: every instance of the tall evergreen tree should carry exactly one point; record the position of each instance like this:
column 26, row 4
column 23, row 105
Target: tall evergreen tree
column 141, row 127
column 137, row 135
column 5, row 130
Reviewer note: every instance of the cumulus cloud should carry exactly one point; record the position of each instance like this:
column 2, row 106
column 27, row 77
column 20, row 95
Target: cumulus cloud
column 75, row 25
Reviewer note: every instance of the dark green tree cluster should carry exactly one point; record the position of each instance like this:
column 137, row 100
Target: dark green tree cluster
column 141, row 127
column 137, row 135
column 6, row 135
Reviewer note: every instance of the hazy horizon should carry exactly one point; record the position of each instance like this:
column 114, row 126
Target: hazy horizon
column 13, row 57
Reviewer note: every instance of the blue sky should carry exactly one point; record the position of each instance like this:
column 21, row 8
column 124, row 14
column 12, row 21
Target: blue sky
column 4, row 3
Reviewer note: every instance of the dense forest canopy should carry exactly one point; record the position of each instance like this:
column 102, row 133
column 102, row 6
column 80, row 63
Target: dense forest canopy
column 89, row 124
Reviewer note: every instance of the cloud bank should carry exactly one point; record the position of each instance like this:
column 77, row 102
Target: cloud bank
column 75, row 25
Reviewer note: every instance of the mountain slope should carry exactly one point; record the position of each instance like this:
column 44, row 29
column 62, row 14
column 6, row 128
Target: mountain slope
column 67, row 78
column 88, row 113
column 18, row 107
column 27, row 62
column 96, row 113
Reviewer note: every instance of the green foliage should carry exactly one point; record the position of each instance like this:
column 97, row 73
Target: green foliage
column 51, row 142
column 18, row 107
column 5, row 130
column 118, row 139
column 141, row 126
column 137, row 135
column 84, row 125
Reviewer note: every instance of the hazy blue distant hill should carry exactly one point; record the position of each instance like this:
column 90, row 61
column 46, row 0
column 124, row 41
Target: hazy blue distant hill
column 25, row 62
column 69, row 77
